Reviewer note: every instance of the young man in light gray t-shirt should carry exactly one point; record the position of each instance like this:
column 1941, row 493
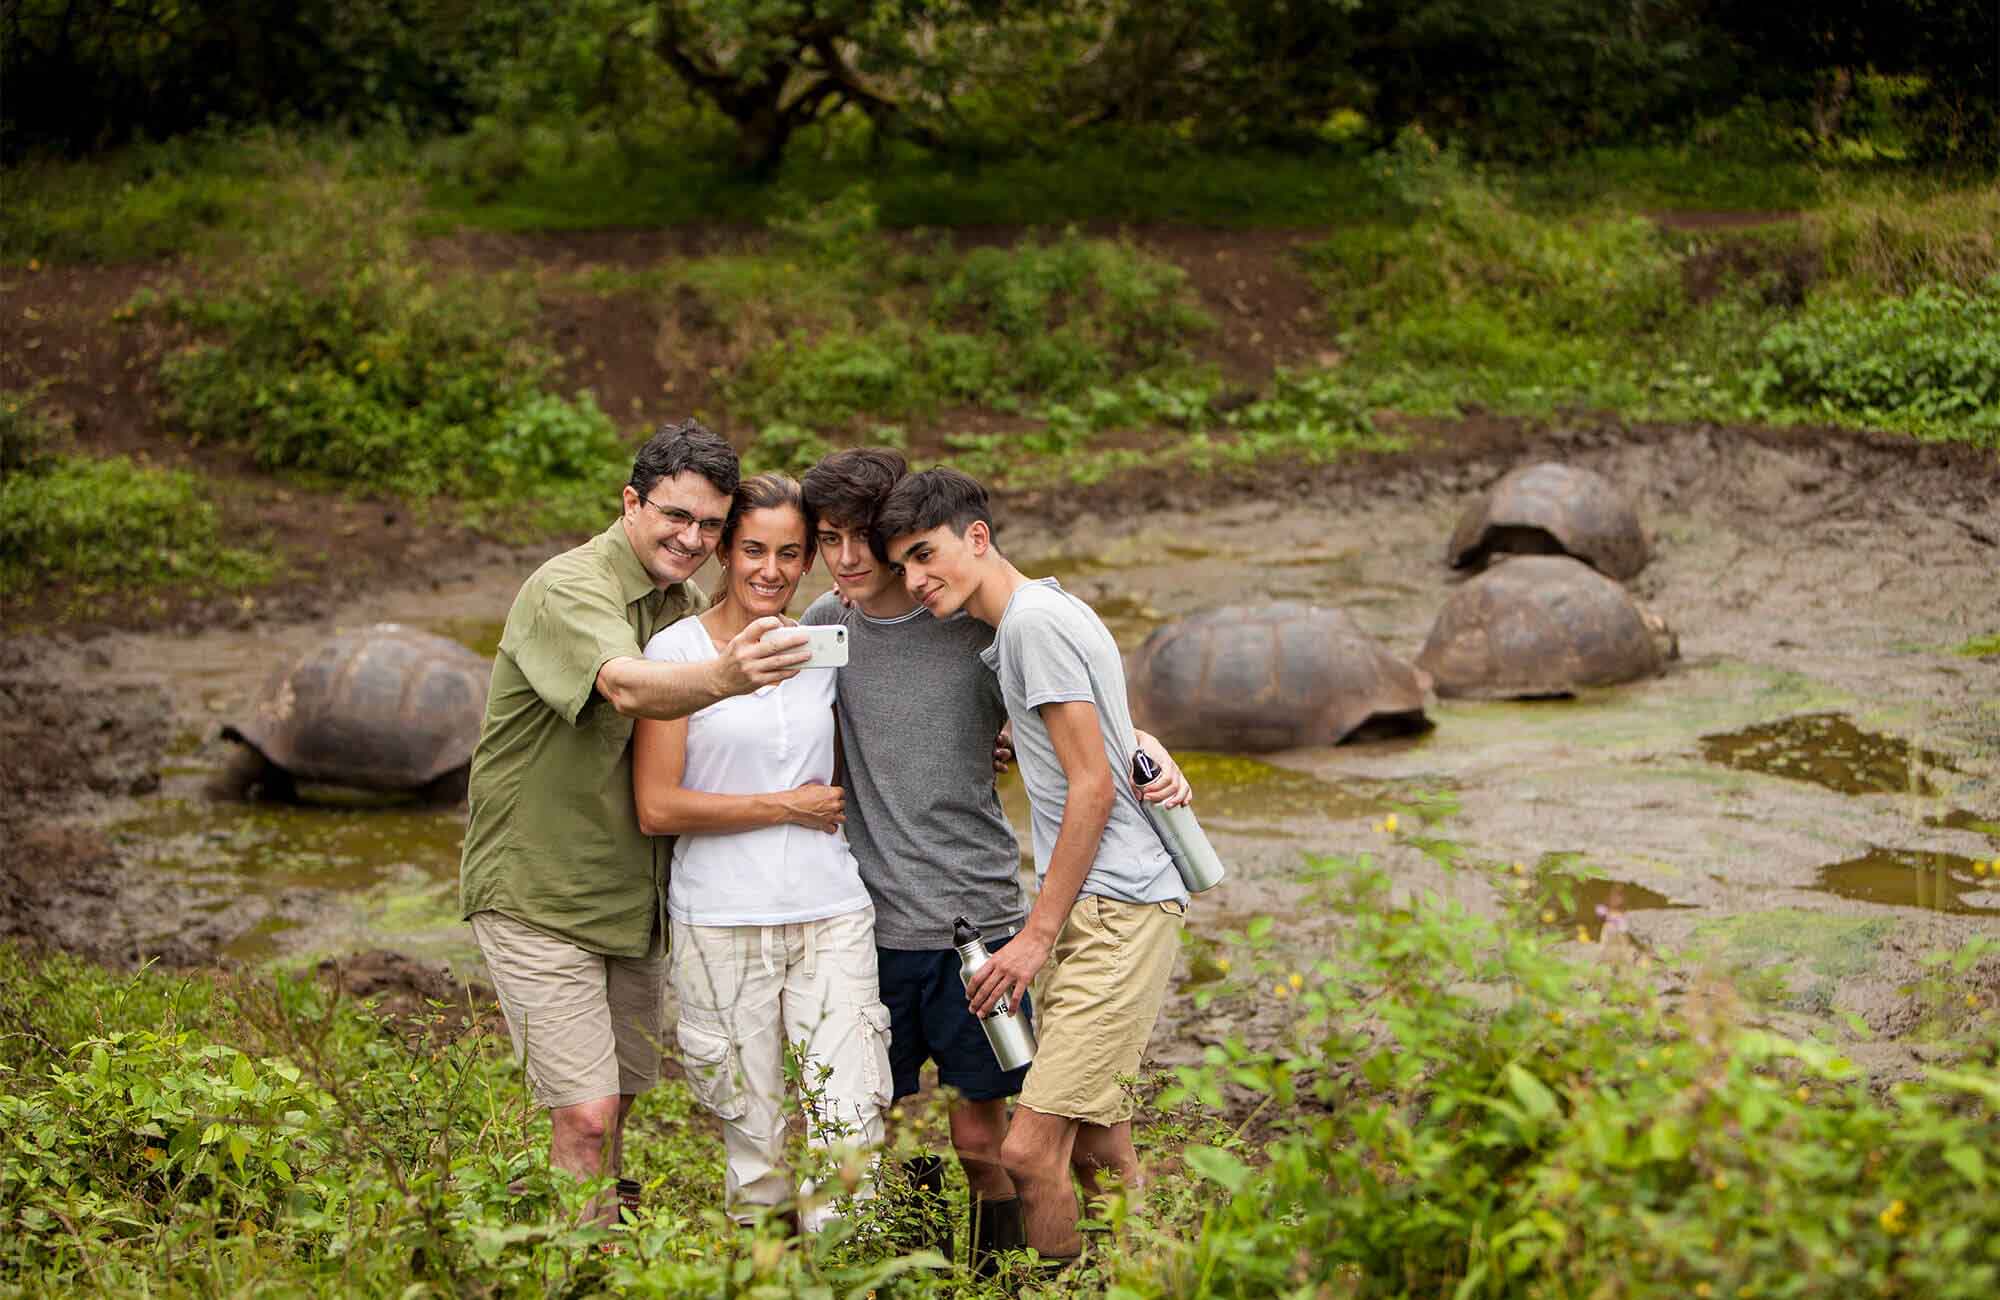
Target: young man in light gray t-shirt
column 1111, row 905
column 919, row 710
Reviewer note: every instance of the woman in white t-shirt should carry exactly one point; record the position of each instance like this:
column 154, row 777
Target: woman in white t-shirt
column 772, row 933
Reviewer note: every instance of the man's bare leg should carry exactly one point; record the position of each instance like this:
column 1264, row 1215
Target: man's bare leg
column 1105, row 1154
column 583, row 1138
column 978, row 1128
column 1036, row 1155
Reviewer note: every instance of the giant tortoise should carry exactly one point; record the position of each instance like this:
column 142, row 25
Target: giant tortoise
column 1247, row 678
column 1536, row 625
column 1551, row 509
column 386, row 708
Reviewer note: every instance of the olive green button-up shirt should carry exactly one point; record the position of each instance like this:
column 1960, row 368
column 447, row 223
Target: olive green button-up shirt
column 554, row 837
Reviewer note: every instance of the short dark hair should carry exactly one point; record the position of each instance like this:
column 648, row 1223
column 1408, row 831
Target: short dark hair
column 929, row 499
column 848, row 488
column 681, row 448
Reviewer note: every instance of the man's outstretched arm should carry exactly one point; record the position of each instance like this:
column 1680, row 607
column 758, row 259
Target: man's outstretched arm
column 645, row 688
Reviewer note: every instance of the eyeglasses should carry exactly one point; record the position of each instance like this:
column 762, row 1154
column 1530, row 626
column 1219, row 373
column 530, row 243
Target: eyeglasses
column 680, row 520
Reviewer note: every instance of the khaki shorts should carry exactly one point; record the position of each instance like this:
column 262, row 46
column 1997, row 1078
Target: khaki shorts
column 1103, row 993
column 585, row 1025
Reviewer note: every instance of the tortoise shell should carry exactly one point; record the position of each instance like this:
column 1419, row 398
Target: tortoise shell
column 383, row 708
column 1552, row 509
column 1539, row 625
column 1249, row 678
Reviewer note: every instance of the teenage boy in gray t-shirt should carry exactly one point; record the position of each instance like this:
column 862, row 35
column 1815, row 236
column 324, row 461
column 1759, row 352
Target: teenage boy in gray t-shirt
column 919, row 711
column 1111, row 905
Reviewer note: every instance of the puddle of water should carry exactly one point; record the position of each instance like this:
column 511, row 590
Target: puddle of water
column 479, row 635
column 1597, row 901
column 1827, row 749
column 1247, row 795
column 1238, row 795
column 271, row 848
column 1936, row 882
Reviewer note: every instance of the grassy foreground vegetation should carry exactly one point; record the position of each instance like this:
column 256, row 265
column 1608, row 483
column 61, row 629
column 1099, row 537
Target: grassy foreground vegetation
column 1459, row 1105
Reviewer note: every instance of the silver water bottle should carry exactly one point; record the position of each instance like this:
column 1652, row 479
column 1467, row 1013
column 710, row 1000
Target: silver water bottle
column 1186, row 842
column 1007, row 1030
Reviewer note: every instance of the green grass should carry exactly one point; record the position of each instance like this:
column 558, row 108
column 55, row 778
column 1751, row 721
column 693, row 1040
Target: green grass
column 205, row 191
column 1875, row 311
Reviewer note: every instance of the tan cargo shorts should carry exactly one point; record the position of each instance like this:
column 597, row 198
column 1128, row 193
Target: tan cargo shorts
column 584, row 1025
column 1097, row 1008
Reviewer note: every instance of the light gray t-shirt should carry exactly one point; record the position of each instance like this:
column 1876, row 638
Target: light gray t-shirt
column 1052, row 648
column 918, row 713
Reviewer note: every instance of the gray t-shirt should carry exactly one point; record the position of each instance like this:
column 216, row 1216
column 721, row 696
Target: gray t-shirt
column 918, row 714
column 1051, row 648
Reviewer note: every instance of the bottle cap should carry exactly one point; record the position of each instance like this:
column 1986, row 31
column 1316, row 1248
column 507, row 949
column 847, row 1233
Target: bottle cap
column 963, row 932
column 1144, row 770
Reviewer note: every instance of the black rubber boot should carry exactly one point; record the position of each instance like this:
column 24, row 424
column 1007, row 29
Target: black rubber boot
column 628, row 1198
column 996, row 1229
column 932, row 1227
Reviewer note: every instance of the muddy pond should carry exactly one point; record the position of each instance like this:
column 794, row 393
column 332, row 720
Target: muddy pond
column 1812, row 787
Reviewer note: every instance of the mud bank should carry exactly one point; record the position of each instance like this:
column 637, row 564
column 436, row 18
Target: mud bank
column 1830, row 577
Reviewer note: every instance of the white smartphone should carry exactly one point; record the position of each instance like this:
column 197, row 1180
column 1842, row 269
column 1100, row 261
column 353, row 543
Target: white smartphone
column 828, row 645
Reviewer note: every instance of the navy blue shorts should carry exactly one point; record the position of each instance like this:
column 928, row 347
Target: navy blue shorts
column 928, row 1021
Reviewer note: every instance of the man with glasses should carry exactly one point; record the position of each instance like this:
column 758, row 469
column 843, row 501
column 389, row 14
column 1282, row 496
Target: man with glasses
column 565, row 894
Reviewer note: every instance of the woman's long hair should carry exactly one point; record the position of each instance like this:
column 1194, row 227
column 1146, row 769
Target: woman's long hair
column 761, row 492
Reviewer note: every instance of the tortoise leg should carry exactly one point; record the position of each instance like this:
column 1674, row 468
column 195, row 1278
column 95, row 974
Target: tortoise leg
column 249, row 776
column 449, row 788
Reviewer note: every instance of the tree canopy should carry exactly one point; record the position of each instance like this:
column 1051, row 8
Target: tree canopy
column 1504, row 77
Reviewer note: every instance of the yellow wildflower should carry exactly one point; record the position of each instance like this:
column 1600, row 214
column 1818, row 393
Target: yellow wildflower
column 1891, row 1218
column 1979, row 868
column 1222, row 964
column 1804, row 1094
column 1644, row 1063
column 1280, row 991
column 1703, row 1289
column 1583, row 934
column 1519, row 870
column 1389, row 823
column 1720, row 1182
column 1972, row 1000
column 1548, row 917
column 1555, row 1017
column 1296, row 980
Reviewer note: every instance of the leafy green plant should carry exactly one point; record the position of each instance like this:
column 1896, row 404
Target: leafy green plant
column 99, row 525
column 1926, row 362
column 339, row 355
column 1463, row 1107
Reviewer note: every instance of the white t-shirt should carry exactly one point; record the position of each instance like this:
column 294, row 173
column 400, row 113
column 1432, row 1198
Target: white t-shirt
column 771, row 739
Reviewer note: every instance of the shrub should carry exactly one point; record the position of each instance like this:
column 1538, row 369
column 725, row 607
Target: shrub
column 342, row 357
column 1928, row 362
column 107, row 524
